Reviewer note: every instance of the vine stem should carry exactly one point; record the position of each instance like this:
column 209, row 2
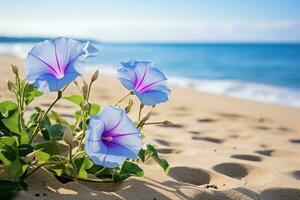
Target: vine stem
column 41, row 165
column 140, row 111
column 130, row 93
column 152, row 123
column 71, row 161
column 83, row 131
column 36, row 130
column 84, row 116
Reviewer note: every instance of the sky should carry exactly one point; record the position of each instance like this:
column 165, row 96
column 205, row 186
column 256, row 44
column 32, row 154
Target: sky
column 155, row 20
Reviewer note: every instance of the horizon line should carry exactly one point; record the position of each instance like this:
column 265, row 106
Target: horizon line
column 32, row 39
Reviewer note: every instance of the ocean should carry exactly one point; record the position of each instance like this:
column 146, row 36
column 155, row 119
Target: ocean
column 262, row 72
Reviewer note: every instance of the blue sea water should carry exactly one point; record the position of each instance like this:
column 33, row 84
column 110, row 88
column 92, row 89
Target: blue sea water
column 262, row 72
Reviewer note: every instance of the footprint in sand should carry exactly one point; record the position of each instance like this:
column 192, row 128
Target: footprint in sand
column 195, row 132
column 246, row 157
column 278, row 153
column 231, row 115
column 261, row 127
column 167, row 151
column 233, row 170
column 206, row 120
column 190, row 175
column 296, row 174
column 280, row 193
column 296, row 141
column 240, row 171
column 208, row 139
column 284, row 129
column 163, row 142
column 181, row 108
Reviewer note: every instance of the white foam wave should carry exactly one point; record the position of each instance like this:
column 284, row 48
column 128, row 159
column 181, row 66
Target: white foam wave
column 245, row 90
column 18, row 50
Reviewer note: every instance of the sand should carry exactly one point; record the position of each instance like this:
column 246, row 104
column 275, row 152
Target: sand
column 219, row 148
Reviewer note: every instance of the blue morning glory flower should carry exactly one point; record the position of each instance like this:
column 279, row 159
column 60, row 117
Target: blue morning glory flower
column 112, row 138
column 148, row 83
column 52, row 64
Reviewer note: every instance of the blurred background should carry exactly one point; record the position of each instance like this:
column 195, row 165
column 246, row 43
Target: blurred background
column 247, row 49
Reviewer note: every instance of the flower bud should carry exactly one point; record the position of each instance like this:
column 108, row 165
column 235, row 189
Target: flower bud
column 85, row 90
column 76, row 83
column 15, row 69
column 129, row 106
column 144, row 146
column 85, row 106
column 40, row 118
column 10, row 86
column 167, row 123
column 68, row 135
column 95, row 76
column 30, row 157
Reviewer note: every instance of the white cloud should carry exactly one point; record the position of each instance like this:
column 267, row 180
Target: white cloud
column 128, row 29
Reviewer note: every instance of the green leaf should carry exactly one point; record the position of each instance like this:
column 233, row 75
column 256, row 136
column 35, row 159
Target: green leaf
column 17, row 169
column 128, row 169
column 142, row 155
column 94, row 109
column 8, row 156
column 51, row 147
column 82, row 164
column 8, row 189
column 55, row 131
column 12, row 122
column 8, row 151
column 6, row 107
column 76, row 99
column 154, row 155
column 78, row 113
column 55, row 116
column 58, row 169
column 132, row 169
column 8, row 141
column 25, row 149
column 31, row 93
column 42, row 157
column 100, row 171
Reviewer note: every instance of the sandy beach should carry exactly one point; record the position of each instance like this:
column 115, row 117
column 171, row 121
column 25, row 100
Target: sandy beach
column 218, row 148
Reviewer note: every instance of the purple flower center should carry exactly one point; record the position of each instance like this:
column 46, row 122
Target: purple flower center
column 108, row 137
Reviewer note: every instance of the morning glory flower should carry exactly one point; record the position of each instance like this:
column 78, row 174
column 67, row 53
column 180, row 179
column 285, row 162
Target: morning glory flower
column 148, row 83
column 52, row 64
column 112, row 138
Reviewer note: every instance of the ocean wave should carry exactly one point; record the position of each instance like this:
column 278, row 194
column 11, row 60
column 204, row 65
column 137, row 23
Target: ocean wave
column 244, row 90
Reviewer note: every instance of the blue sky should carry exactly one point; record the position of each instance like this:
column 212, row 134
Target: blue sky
column 155, row 21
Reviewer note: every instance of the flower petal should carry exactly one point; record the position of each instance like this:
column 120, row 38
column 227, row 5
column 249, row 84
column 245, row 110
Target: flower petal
column 148, row 82
column 153, row 97
column 61, row 58
column 93, row 142
column 127, row 77
column 124, row 138
column 111, row 117
column 40, row 61
column 107, row 160
column 48, row 82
